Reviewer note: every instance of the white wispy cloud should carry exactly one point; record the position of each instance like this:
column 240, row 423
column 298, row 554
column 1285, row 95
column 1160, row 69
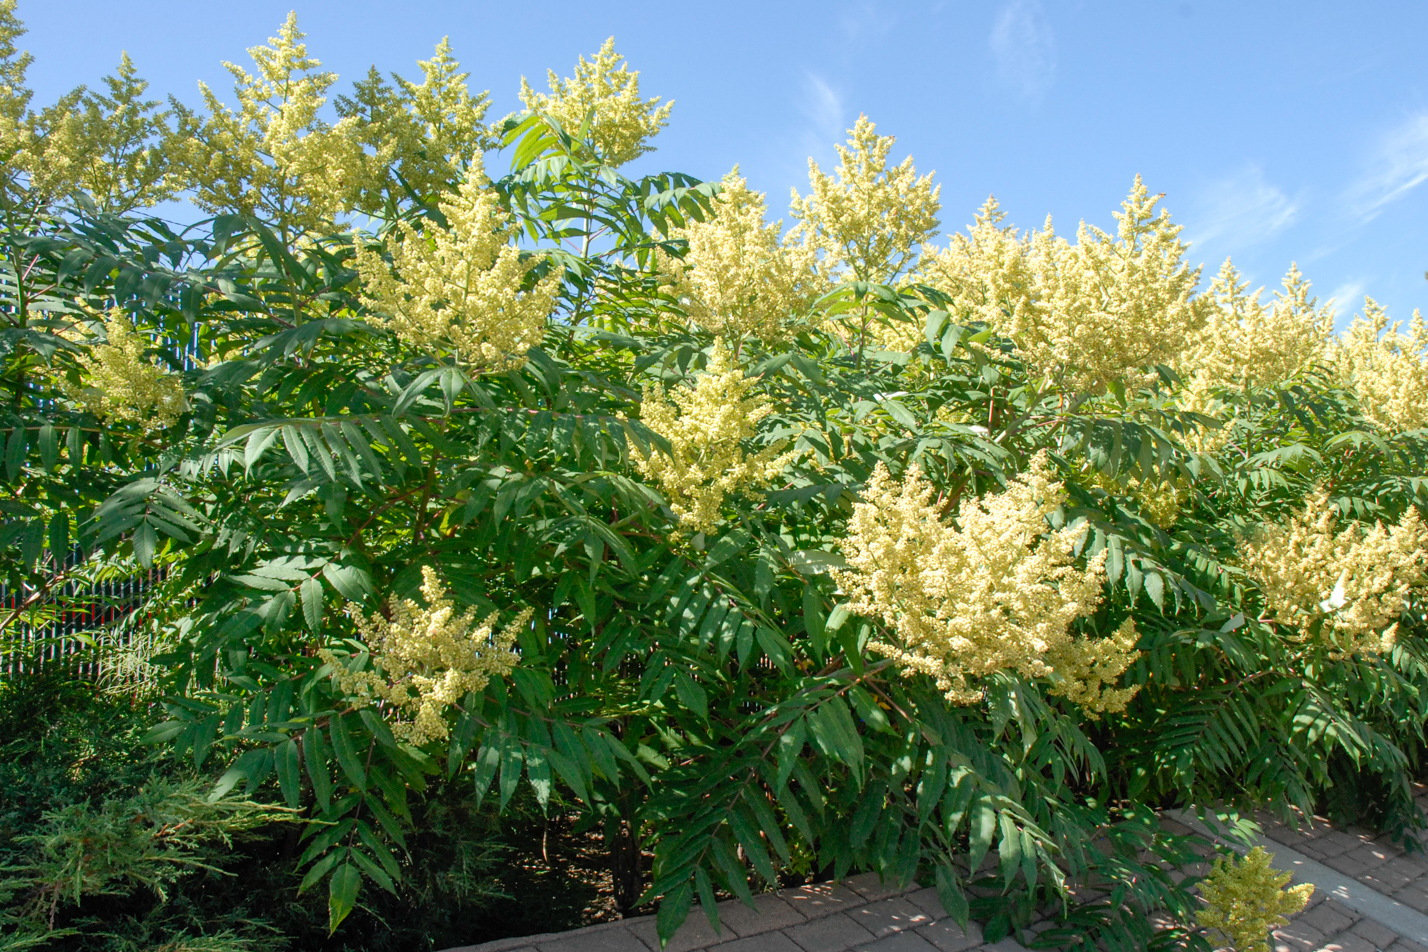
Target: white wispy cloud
column 1346, row 300
column 1024, row 48
column 864, row 20
column 1239, row 210
column 824, row 113
column 1397, row 166
column 818, row 120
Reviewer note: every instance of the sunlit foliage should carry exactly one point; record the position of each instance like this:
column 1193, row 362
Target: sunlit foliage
column 466, row 458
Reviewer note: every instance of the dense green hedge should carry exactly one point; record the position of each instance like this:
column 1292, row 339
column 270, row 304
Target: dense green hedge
column 509, row 479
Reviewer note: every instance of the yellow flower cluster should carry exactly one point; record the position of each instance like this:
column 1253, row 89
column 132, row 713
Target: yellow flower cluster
column 1160, row 500
column 867, row 220
column 706, row 426
column 421, row 131
column 604, row 97
column 1245, row 899
column 1387, row 367
column 1084, row 668
column 1090, row 313
column 427, row 658
column 459, row 287
column 1247, row 344
column 115, row 149
column 996, row 590
column 739, row 276
column 1113, row 306
column 121, row 383
column 14, row 94
column 986, row 271
column 274, row 157
column 1344, row 587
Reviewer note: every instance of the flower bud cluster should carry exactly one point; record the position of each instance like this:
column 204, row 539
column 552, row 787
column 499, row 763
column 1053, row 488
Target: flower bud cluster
column 459, row 288
column 706, row 426
column 1345, row 588
column 866, row 220
column 426, row 658
column 1387, row 367
column 604, row 93
column 120, row 382
column 739, row 277
column 994, row 590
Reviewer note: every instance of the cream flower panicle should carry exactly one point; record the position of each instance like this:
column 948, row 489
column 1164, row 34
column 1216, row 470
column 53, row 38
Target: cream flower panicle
column 1387, row 367
column 412, row 137
column 867, row 220
column 275, row 157
column 706, row 426
column 459, row 288
column 1112, row 307
column 995, row 590
column 17, row 131
column 116, row 150
column 1343, row 587
column 1245, row 343
column 120, row 382
column 986, row 271
column 426, row 658
column 603, row 97
column 1102, row 310
column 739, row 276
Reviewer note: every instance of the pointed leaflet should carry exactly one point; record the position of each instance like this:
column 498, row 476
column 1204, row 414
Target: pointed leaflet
column 342, row 891
column 311, row 593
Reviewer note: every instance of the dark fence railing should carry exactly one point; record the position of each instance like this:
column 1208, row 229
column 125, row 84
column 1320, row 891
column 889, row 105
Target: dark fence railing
column 87, row 626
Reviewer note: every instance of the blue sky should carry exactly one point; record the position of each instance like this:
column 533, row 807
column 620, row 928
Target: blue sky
column 1278, row 131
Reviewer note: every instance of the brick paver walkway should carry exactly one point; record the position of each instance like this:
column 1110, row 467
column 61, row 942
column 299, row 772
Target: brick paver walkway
column 1372, row 892
column 1383, row 866
column 859, row 914
column 1380, row 866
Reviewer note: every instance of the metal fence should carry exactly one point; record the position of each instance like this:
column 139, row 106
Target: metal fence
column 86, row 626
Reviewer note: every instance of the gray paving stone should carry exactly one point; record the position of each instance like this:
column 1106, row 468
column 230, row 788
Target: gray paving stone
column 1386, row 879
column 887, row 916
column 1299, row 937
column 1328, row 918
column 695, row 933
column 1413, row 895
column 946, row 936
column 1375, row 932
column 769, row 913
column 902, row 942
column 872, row 886
column 832, row 933
column 1337, row 843
column 767, row 942
column 926, row 900
column 617, row 939
column 496, row 945
column 600, row 937
column 821, row 899
column 1348, row 942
